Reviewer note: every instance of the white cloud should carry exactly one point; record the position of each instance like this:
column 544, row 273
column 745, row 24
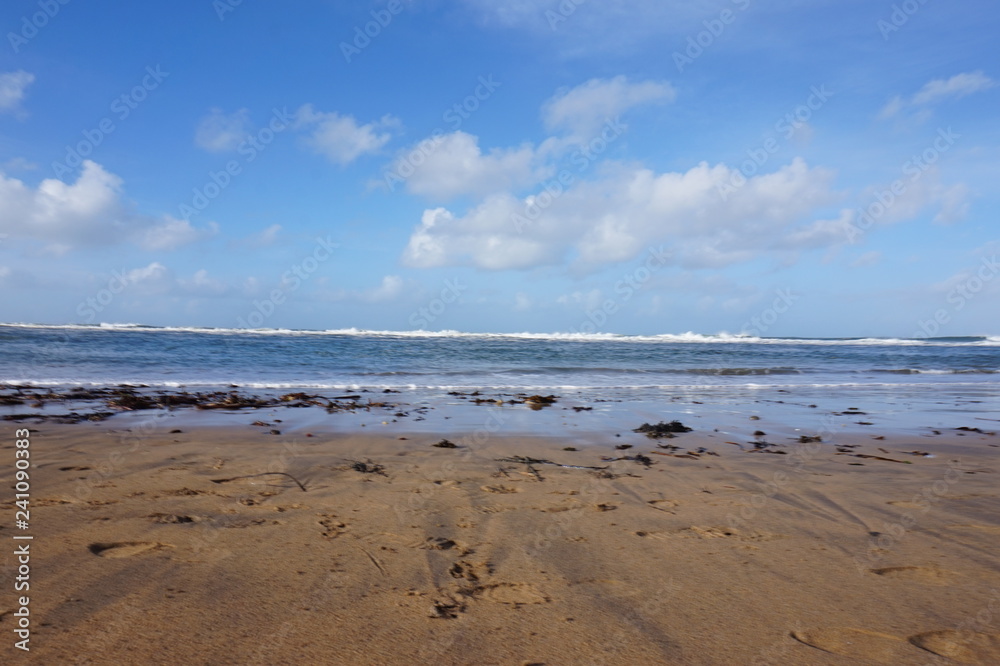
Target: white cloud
column 219, row 132
column 340, row 138
column 621, row 215
column 867, row 259
column 202, row 284
column 583, row 109
column 957, row 86
column 452, row 165
column 455, row 165
column 17, row 164
column 12, row 87
column 172, row 233
column 90, row 211
column 390, row 288
column 267, row 237
column 939, row 90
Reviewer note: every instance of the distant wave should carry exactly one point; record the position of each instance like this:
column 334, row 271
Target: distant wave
column 689, row 337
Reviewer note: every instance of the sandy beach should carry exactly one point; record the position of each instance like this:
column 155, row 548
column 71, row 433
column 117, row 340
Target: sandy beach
column 154, row 546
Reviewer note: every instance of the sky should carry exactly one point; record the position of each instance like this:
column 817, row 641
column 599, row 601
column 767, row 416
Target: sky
column 815, row 169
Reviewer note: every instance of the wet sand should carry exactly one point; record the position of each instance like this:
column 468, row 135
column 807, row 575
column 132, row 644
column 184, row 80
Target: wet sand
column 149, row 549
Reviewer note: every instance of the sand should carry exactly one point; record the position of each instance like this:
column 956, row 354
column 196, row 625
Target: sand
column 148, row 550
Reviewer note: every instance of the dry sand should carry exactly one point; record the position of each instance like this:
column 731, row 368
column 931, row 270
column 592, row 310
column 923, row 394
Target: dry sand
column 451, row 557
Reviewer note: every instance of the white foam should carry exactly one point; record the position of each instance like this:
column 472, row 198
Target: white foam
column 688, row 337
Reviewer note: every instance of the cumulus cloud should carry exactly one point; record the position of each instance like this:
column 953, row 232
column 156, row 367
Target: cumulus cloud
column 583, row 109
column 12, row 89
column 390, row 287
column 340, row 138
column 89, row 211
column 219, row 132
column 455, row 165
column 450, row 165
column 621, row 215
column 939, row 90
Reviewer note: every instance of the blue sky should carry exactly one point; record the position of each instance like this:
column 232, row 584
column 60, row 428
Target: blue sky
column 777, row 168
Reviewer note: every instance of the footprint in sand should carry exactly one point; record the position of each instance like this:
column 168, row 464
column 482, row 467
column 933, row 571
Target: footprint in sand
column 470, row 571
column 495, row 508
column 332, row 528
column 120, row 549
column 871, row 647
column 172, row 519
column 501, row 490
column 965, row 647
column 927, row 575
column 697, row 532
column 443, row 543
column 510, row 593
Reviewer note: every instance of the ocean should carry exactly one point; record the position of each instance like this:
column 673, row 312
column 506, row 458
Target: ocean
column 109, row 355
column 622, row 379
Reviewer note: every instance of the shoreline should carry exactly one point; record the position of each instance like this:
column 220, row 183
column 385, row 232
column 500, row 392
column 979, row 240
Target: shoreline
column 399, row 551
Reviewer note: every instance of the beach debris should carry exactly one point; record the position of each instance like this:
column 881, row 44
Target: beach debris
column 445, row 444
column 569, row 448
column 689, row 455
column 129, row 401
column 623, row 447
column 662, row 429
column 251, row 476
column 759, row 433
column 871, row 457
column 864, row 423
column 968, row 429
column 922, row 454
column 645, row 461
column 755, row 418
column 537, row 402
column 368, row 467
column 581, row 409
column 72, row 417
column 537, row 461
